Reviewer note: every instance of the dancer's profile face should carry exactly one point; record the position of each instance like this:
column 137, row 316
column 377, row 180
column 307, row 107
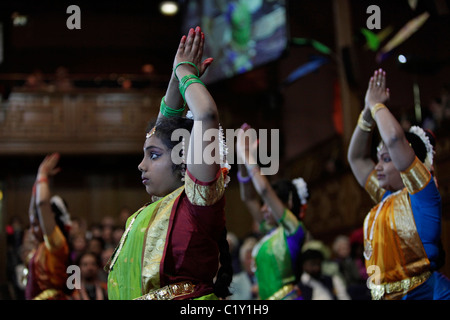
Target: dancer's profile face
column 156, row 168
column 387, row 174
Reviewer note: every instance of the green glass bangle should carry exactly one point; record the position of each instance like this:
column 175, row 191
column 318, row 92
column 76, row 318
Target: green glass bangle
column 185, row 62
column 185, row 79
column 183, row 82
column 187, row 84
column 169, row 112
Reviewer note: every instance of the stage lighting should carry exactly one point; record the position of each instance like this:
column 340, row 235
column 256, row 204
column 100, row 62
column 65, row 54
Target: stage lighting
column 168, row 8
column 402, row 59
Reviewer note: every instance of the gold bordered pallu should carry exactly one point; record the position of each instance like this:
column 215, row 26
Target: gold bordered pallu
column 284, row 293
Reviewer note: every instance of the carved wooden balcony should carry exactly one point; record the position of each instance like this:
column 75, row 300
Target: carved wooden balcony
column 81, row 121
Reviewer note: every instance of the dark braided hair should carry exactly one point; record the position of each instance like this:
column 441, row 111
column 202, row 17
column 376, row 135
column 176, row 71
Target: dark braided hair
column 417, row 144
column 284, row 189
column 164, row 129
column 225, row 273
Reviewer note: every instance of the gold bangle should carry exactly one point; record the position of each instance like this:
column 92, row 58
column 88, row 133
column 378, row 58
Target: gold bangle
column 375, row 108
column 363, row 124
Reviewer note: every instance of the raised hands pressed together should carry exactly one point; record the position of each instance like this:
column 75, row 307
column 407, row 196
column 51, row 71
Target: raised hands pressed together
column 188, row 60
column 375, row 113
column 190, row 50
column 377, row 92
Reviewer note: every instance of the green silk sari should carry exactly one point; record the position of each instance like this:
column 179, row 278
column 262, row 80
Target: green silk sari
column 124, row 280
column 273, row 258
column 135, row 264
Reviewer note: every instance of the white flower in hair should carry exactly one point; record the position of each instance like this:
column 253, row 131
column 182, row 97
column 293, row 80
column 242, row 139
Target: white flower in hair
column 65, row 215
column 418, row 131
column 223, row 150
column 302, row 189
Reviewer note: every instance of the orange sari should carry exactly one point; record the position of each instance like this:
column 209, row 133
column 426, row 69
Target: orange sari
column 392, row 246
column 47, row 269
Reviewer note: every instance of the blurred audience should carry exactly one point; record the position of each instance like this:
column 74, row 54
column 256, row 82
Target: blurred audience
column 92, row 287
column 314, row 285
column 243, row 285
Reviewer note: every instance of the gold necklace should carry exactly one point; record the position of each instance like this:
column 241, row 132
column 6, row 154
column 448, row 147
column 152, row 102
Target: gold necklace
column 368, row 249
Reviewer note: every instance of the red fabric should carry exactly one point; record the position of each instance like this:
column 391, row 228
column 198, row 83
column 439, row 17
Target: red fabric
column 192, row 251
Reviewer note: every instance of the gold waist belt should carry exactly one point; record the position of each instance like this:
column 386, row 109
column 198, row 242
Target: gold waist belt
column 280, row 294
column 46, row 294
column 379, row 290
column 169, row 292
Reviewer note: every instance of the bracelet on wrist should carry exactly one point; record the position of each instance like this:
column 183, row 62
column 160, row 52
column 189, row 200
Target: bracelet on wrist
column 169, row 112
column 364, row 124
column 185, row 62
column 242, row 179
column 43, row 179
column 186, row 81
column 375, row 108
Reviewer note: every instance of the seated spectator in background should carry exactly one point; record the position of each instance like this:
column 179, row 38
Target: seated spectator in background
column 92, row 288
column 348, row 252
column 124, row 214
column 233, row 243
column 314, row 285
column 35, row 81
column 105, row 256
column 62, row 80
column 95, row 231
column 116, row 236
column 78, row 225
column 243, row 285
column 14, row 236
column 78, row 245
column 108, row 223
column 96, row 245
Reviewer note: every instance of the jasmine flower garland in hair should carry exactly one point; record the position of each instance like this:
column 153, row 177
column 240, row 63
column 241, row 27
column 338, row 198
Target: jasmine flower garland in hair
column 302, row 189
column 223, row 150
column 418, row 131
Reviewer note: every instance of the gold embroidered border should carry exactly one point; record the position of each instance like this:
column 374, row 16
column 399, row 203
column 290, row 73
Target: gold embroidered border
column 372, row 187
column 47, row 294
column 155, row 240
column 204, row 195
column 416, row 177
column 289, row 221
column 410, row 242
column 283, row 292
column 395, row 290
column 169, row 292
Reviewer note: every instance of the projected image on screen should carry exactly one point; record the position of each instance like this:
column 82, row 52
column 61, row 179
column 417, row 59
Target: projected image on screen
column 240, row 34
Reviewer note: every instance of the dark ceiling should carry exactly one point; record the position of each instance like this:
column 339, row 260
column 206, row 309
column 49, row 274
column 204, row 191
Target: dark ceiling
column 120, row 36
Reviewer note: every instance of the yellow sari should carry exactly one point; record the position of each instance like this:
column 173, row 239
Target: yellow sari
column 392, row 246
